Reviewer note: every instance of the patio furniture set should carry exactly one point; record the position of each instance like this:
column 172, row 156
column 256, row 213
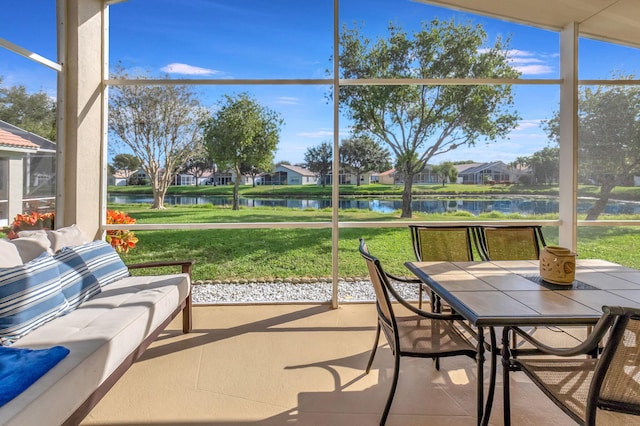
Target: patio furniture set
column 596, row 379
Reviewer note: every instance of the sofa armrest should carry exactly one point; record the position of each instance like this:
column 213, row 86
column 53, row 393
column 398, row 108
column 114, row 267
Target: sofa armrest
column 186, row 267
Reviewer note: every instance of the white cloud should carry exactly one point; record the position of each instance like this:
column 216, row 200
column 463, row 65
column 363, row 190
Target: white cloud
column 316, row 134
column 521, row 60
column 530, row 63
column 528, row 124
column 185, row 69
column 288, row 100
column 534, row 69
column 520, row 53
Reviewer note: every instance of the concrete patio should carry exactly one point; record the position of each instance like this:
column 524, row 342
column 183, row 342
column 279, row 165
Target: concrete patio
column 302, row 364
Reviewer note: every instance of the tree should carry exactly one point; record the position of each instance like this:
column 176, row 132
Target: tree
column 128, row 163
column 608, row 138
column 242, row 134
column 198, row 164
column 35, row 113
column 447, row 172
column 254, row 171
column 545, row 165
column 160, row 124
column 362, row 154
column 319, row 160
column 419, row 122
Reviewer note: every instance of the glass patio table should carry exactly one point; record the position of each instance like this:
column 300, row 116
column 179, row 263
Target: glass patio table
column 511, row 293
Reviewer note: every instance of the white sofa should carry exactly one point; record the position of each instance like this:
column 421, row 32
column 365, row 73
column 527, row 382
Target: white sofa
column 105, row 335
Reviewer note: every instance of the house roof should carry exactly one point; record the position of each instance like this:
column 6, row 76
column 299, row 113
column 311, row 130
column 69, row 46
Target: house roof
column 15, row 137
column 297, row 169
column 15, row 142
column 387, row 173
column 480, row 167
column 464, row 167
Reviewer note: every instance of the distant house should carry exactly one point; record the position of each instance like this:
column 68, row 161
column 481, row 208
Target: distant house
column 388, row 177
column 119, row 178
column 285, row 174
column 469, row 173
column 182, row 179
column 27, row 172
column 393, row 177
column 494, row 172
column 348, row 178
column 140, row 177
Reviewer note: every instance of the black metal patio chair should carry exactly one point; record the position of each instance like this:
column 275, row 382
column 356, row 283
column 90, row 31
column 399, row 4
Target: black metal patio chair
column 608, row 386
column 422, row 334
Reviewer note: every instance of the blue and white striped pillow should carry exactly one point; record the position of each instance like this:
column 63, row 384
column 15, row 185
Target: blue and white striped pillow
column 77, row 282
column 102, row 261
column 30, row 296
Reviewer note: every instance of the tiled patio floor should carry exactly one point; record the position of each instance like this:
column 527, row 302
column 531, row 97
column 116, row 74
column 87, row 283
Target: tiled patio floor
column 298, row 364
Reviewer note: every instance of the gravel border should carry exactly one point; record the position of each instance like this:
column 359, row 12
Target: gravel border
column 288, row 292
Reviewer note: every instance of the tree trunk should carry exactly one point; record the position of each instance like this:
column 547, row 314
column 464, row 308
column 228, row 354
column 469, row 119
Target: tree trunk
column 159, row 187
column 357, row 179
column 158, row 200
column 236, row 190
column 406, row 197
column 605, row 192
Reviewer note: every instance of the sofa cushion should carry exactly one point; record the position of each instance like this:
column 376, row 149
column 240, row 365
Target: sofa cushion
column 77, row 282
column 102, row 261
column 9, row 255
column 66, row 237
column 32, row 244
column 30, row 296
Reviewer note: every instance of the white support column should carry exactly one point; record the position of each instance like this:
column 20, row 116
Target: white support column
column 568, row 136
column 81, row 147
column 15, row 183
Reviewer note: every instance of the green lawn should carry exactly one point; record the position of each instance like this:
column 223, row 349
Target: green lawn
column 296, row 253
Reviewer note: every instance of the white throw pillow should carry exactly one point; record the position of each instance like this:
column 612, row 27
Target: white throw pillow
column 9, row 255
column 32, row 246
column 68, row 236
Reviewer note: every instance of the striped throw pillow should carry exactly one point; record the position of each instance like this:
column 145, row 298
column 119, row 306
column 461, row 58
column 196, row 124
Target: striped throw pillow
column 30, row 296
column 102, row 261
column 77, row 282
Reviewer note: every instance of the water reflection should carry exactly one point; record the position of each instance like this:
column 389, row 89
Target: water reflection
column 525, row 206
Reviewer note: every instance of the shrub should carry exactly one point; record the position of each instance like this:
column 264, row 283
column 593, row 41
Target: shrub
column 120, row 239
column 29, row 221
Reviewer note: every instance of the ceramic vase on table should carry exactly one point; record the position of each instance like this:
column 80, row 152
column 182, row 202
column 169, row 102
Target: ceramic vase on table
column 558, row 265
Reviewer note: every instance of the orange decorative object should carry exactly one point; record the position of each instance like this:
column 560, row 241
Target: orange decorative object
column 121, row 240
column 29, row 221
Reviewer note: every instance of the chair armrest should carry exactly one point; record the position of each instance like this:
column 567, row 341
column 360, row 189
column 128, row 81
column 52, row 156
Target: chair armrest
column 417, row 311
column 186, row 265
column 589, row 345
column 403, row 279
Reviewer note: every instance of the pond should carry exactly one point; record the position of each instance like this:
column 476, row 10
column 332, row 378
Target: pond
column 522, row 205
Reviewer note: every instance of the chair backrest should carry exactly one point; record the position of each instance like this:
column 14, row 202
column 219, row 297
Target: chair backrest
column 511, row 242
column 386, row 316
column 440, row 243
column 616, row 381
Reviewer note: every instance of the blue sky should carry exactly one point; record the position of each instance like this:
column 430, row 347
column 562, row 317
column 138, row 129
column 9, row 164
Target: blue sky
column 235, row 39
